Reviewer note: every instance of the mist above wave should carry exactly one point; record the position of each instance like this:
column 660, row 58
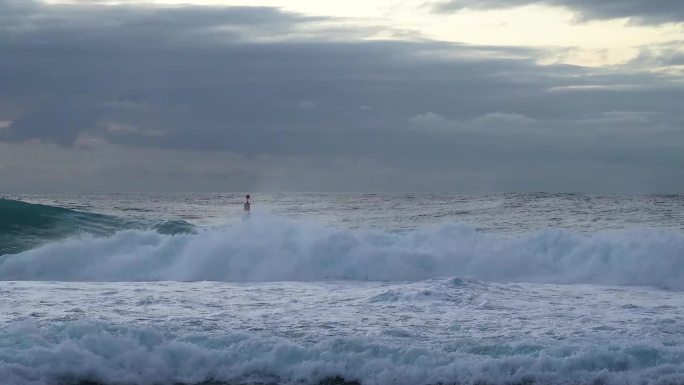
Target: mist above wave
column 267, row 248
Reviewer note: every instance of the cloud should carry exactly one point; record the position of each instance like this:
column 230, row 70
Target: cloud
column 646, row 11
column 493, row 122
column 429, row 119
column 60, row 124
column 126, row 95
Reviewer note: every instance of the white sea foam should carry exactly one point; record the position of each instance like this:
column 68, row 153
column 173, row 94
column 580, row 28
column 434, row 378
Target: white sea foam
column 84, row 350
column 428, row 332
column 267, row 248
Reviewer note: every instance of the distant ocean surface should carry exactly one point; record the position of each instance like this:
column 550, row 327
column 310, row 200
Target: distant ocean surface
column 380, row 289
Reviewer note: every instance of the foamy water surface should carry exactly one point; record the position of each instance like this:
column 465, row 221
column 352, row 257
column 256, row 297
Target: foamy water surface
column 473, row 290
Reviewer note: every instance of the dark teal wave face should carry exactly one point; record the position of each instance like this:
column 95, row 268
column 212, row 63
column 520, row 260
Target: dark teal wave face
column 173, row 227
column 24, row 225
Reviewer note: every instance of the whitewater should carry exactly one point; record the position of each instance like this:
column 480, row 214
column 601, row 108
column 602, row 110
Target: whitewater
column 342, row 288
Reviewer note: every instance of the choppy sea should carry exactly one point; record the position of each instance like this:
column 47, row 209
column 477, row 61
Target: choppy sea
column 377, row 289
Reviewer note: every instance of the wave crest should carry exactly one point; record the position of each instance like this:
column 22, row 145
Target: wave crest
column 27, row 225
column 277, row 249
column 89, row 352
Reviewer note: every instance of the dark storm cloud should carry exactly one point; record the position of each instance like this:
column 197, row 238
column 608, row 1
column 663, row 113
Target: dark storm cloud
column 261, row 83
column 648, row 11
column 206, row 84
column 57, row 123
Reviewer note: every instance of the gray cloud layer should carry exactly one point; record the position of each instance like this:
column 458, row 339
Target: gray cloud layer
column 648, row 11
column 317, row 108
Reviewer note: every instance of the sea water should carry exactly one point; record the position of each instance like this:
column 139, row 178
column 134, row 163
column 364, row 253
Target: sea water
column 332, row 288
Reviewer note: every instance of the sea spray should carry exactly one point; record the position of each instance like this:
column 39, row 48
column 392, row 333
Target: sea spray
column 271, row 248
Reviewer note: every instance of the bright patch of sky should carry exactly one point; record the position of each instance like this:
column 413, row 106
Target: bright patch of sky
column 593, row 43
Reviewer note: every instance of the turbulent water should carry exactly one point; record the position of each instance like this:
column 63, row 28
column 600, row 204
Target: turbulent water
column 332, row 288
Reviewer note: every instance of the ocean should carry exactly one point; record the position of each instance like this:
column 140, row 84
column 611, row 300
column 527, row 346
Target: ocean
column 377, row 289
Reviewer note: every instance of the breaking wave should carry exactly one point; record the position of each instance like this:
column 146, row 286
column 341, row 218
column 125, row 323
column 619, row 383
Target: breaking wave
column 267, row 248
column 87, row 352
column 26, row 225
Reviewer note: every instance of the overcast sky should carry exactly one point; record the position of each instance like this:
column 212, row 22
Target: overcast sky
column 460, row 96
